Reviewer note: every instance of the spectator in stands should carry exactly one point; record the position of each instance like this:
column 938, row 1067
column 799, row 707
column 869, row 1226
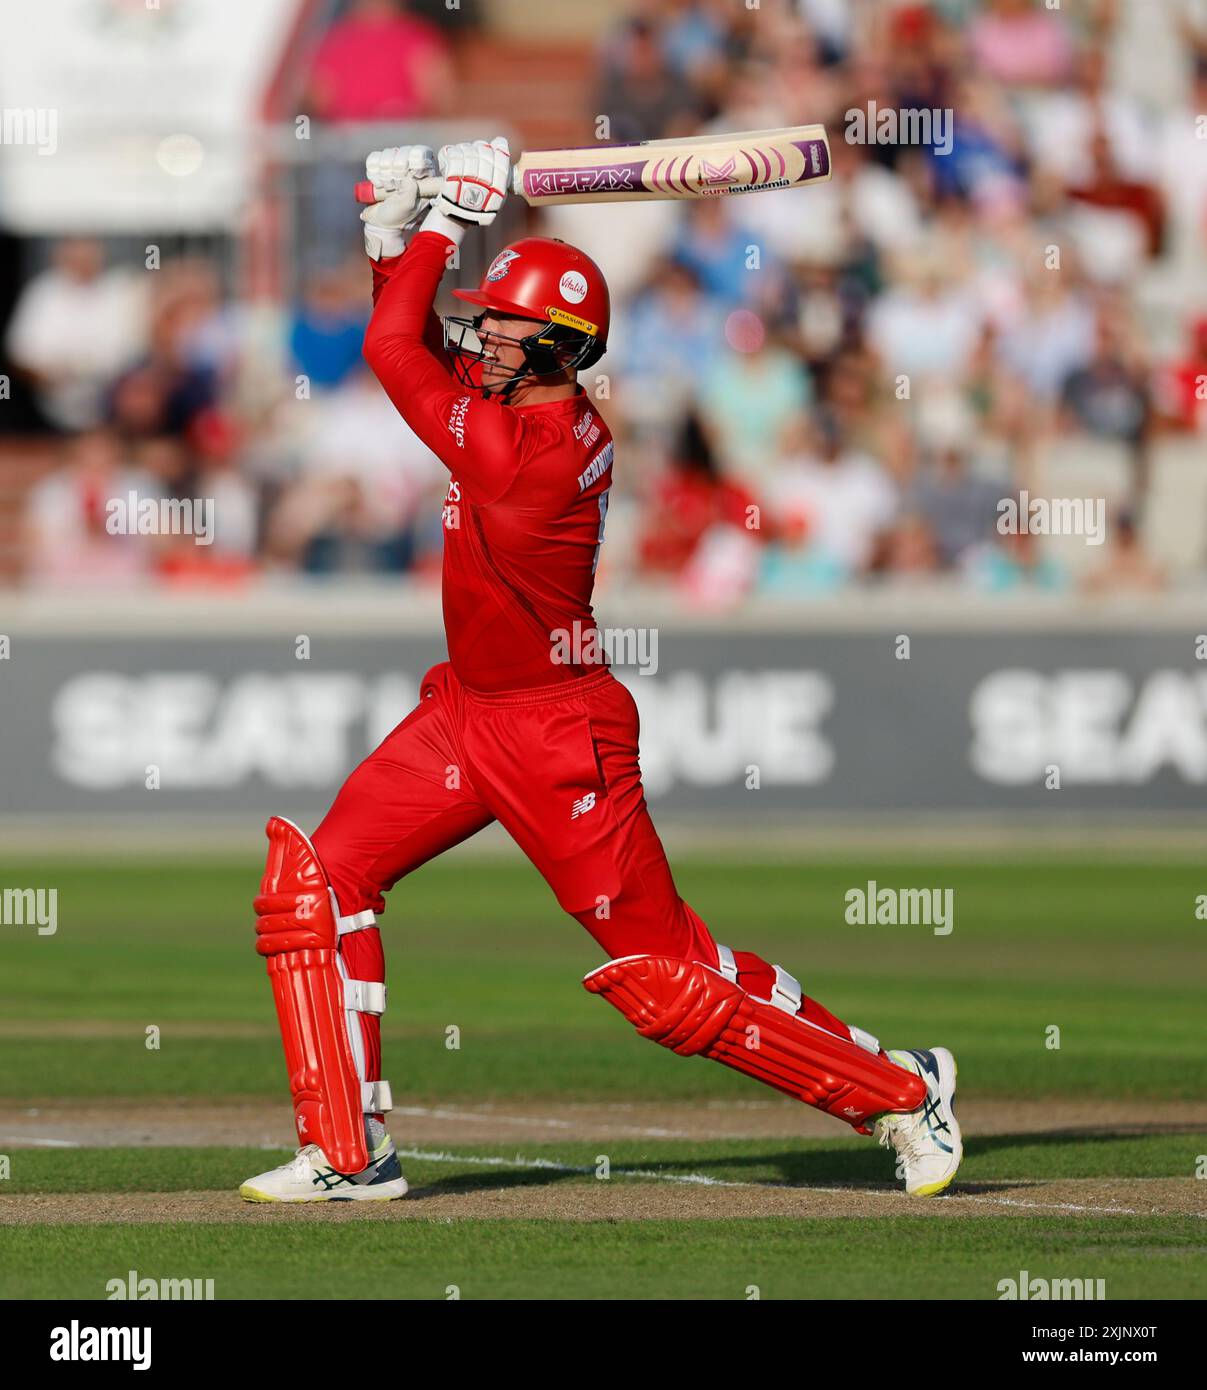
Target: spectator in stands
column 919, row 72
column 1136, row 200
column 74, row 328
column 690, row 499
column 366, row 481
column 803, row 87
column 639, row 92
column 1021, row 43
column 328, row 328
column 1181, row 387
column 1063, row 123
column 694, row 38
column 1109, row 396
column 831, row 506
column 164, row 392
column 731, row 266
column 378, row 63
column 751, row 101
column 208, row 326
column 1178, row 156
column 848, row 387
column 924, row 325
column 987, row 157
column 217, row 443
column 753, row 399
column 826, row 314
column 1126, row 569
column 1012, row 562
column 671, row 338
column 65, row 540
column 1052, row 338
column 909, row 549
column 959, row 507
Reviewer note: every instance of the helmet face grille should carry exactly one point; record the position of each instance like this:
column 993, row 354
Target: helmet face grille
column 548, row 350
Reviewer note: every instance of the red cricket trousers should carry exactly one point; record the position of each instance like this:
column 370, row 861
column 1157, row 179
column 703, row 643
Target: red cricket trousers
column 557, row 767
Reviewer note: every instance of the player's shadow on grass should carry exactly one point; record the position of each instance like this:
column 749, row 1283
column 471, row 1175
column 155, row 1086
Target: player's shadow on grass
column 491, row 1179
column 865, row 1166
column 795, row 1169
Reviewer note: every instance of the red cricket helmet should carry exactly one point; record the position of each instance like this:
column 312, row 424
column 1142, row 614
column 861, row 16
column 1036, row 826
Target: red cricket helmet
column 555, row 284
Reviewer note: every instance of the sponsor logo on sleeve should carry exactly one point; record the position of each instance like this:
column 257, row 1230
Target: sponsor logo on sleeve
column 586, row 431
column 456, row 420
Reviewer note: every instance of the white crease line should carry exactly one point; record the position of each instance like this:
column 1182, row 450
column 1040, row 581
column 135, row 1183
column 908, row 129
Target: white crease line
column 549, row 1165
column 1073, row 1206
column 701, row 1180
column 423, row 1111
column 35, row 1143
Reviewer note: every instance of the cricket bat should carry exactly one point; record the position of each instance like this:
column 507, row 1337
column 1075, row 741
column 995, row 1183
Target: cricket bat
column 704, row 166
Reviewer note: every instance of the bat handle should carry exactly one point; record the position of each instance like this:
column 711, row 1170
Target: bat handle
column 367, row 192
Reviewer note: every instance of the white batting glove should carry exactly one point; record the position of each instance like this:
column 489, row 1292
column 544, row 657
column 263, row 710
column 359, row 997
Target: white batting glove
column 396, row 172
column 477, row 176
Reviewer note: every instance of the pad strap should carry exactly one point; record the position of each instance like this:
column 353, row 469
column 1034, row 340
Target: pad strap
column 375, row 1097
column 365, row 996
column 787, row 992
column 694, row 1009
column 352, row 921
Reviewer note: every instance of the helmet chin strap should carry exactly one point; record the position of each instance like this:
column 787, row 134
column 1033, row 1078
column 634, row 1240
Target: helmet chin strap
column 504, row 394
column 525, row 373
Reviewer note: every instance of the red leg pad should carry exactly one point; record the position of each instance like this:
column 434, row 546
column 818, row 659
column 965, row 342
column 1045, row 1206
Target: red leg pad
column 691, row 1008
column 296, row 930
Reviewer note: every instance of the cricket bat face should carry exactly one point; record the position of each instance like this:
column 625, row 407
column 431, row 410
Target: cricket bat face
column 697, row 167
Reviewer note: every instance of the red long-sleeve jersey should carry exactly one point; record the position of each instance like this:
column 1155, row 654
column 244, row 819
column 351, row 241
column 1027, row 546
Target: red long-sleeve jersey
column 524, row 514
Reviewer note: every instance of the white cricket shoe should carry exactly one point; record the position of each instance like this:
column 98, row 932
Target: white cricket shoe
column 308, row 1177
column 927, row 1140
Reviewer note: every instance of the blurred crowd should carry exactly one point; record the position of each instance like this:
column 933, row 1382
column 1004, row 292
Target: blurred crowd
column 809, row 390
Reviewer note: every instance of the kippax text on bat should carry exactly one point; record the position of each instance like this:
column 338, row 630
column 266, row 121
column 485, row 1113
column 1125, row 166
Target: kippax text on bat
column 608, row 178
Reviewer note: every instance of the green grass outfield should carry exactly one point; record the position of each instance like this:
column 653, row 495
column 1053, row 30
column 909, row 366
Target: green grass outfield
column 1108, row 952
column 890, row 1256
column 1139, row 1258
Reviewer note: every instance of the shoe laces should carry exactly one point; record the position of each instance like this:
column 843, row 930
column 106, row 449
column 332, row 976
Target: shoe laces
column 303, row 1160
column 906, row 1138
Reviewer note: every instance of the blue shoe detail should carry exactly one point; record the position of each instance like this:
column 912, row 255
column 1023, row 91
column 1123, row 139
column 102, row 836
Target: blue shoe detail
column 388, row 1169
column 935, row 1124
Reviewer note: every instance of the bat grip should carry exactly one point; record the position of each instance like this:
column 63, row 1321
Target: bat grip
column 367, row 192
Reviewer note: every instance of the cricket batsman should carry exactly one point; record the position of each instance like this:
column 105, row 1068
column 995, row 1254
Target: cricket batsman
column 512, row 728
